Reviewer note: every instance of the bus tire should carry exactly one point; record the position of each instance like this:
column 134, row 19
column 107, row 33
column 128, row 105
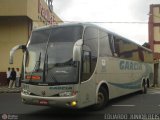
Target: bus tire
column 144, row 87
column 102, row 99
column 148, row 85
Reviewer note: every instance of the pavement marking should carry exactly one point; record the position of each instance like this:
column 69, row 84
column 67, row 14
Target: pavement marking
column 124, row 105
column 154, row 92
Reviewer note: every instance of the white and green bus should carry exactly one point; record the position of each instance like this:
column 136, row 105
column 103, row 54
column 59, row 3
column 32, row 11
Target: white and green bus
column 79, row 65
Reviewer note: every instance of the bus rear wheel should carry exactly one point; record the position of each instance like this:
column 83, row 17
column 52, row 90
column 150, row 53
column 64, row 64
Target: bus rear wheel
column 144, row 87
column 148, row 85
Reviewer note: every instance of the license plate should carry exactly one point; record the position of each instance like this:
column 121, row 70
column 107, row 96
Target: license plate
column 43, row 102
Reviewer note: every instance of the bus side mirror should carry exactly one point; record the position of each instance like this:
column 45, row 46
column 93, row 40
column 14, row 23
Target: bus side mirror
column 77, row 50
column 13, row 50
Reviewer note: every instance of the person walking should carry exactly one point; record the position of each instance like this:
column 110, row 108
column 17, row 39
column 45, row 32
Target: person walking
column 17, row 77
column 12, row 79
column 8, row 75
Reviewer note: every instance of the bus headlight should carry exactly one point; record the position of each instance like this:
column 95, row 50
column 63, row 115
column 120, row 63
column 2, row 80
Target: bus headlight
column 68, row 93
column 26, row 92
column 65, row 94
column 73, row 103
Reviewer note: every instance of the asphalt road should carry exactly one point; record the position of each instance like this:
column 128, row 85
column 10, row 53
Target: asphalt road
column 134, row 106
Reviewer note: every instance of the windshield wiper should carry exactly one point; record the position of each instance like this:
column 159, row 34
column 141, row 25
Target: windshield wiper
column 47, row 64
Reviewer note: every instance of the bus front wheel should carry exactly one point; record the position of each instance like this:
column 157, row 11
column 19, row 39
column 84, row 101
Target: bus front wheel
column 102, row 98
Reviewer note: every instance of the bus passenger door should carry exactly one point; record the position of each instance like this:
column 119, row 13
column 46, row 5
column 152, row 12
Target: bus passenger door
column 87, row 85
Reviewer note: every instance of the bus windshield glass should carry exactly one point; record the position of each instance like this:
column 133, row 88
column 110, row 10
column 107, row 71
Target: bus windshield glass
column 50, row 53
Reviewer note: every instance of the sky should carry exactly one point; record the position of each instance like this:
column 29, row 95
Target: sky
column 128, row 18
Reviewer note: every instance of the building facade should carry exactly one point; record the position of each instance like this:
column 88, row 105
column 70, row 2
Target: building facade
column 154, row 30
column 17, row 19
column 154, row 39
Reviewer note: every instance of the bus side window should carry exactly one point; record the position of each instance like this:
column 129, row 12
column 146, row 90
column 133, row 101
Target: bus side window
column 141, row 54
column 113, row 44
column 86, row 65
column 104, row 44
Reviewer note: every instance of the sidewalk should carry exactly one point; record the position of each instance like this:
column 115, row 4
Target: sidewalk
column 155, row 88
column 5, row 89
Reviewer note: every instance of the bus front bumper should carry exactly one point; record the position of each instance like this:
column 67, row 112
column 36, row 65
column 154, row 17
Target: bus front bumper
column 70, row 101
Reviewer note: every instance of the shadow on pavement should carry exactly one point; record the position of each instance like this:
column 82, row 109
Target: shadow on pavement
column 63, row 114
column 88, row 113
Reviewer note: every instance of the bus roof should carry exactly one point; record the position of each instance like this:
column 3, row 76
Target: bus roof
column 86, row 25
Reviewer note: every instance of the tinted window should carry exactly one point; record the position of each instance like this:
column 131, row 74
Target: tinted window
column 36, row 50
column 111, row 43
column 60, row 65
column 40, row 36
column 104, row 44
column 91, row 40
column 50, row 53
column 66, row 34
column 125, row 49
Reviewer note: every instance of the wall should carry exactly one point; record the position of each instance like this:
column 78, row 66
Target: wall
column 154, row 29
column 13, row 31
column 154, row 38
column 13, row 7
column 29, row 8
column 156, row 14
column 17, row 19
column 38, row 11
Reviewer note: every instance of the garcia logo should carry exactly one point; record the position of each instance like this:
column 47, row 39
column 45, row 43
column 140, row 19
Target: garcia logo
column 128, row 65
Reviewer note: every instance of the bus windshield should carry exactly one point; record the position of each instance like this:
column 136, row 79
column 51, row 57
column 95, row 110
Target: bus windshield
column 49, row 55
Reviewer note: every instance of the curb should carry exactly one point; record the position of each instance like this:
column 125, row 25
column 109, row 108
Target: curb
column 156, row 88
column 10, row 90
